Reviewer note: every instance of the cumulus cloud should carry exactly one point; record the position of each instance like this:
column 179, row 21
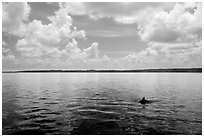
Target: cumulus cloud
column 172, row 32
column 71, row 57
column 163, row 22
column 47, row 44
column 173, row 37
column 173, row 25
column 121, row 12
column 142, row 59
column 166, row 55
column 50, row 40
column 37, row 38
column 92, row 52
column 14, row 15
column 6, row 53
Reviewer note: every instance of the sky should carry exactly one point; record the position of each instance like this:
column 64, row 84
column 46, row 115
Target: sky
column 101, row 35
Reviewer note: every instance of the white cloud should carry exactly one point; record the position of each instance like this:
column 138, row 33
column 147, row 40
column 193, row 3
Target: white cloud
column 61, row 18
column 164, row 22
column 105, row 58
column 74, row 8
column 142, row 59
column 71, row 57
column 72, row 51
column 38, row 39
column 173, row 35
column 51, row 44
column 50, row 40
column 6, row 53
column 78, row 33
column 173, row 38
column 92, row 51
column 173, row 25
column 14, row 15
column 121, row 12
column 166, row 55
column 112, row 33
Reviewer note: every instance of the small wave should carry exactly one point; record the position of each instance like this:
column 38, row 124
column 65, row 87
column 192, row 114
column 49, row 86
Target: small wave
column 34, row 102
column 32, row 129
column 28, row 117
column 52, row 113
column 179, row 106
column 97, row 99
column 44, row 121
column 97, row 94
column 96, row 111
column 84, row 89
column 91, row 113
column 34, row 107
column 102, row 108
column 79, row 98
column 43, row 98
column 73, row 108
column 20, row 97
column 29, row 132
column 51, row 103
column 30, row 124
column 44, row 127
column 73, row 104
column 116, row 103
column 36, row 110
column 45, row 91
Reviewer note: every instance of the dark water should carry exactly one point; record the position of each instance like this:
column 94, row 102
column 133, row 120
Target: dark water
column 105, row 103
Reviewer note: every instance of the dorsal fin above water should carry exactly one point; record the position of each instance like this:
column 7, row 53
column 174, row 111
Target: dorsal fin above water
column 144, row 101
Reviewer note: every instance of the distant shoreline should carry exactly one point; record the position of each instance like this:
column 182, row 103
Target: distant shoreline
column 184, row 70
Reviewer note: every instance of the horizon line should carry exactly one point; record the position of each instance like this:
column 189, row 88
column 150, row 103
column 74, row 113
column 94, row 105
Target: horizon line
column 111, row 70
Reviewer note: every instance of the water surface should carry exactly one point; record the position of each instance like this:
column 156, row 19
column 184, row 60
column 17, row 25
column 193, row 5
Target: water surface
column 101, row 103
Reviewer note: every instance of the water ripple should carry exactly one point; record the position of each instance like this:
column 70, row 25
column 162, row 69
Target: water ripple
column 105, row 104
